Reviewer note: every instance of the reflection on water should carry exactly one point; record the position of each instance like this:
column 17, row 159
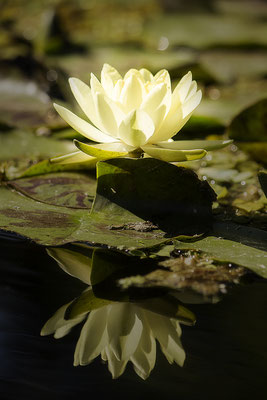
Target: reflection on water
column 121, row 332
column 226, row 355
column 118, row 331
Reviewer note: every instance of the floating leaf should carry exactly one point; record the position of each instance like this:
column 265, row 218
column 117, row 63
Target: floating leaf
column 137, row 203
column 230, row 252
column 19, row 144
column 263, row 181
column 24, row 105
column 61, row 189
column 251, row 124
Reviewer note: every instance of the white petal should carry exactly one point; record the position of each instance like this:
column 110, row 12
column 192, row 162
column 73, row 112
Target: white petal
column 147, row 76
column 183, row 86
column 106, row 115
column 173, row 122
column 154, row 98
column 115, row 367
column 190, row 105
column 168, row 336
column 131, row 94
column 83, row 127
column 83, row 95
column 93, row 337
column 124, row 330
column 109, row 77
column 192, row 90
column 58, row 325
column 96, row 86
column 136, row 129
column 144, row 357
column 163, row 76
column 72, row 262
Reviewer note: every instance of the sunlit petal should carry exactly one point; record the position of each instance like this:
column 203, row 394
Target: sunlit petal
column 106, row 115
column 83, row 95
column 83, row 127
column 192, row 103
column 132, row 93
column 136, row 129
column 183, row 86
column 109, row 77
column 147, row 76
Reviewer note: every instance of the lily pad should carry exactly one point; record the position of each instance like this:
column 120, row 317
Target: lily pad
column 129, row 194
column 263, row 181
column 251, row 124
column 22, row 144
column 64, row 189
column 231, row 252
column 24, row 105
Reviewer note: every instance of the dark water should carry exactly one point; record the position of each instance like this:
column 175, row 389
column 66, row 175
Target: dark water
column 226, row 351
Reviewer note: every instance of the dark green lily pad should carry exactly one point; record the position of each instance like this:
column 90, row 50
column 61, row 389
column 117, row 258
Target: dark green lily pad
column 171, row 198
column 251, row 124
column 257, row 150
column 263, row 181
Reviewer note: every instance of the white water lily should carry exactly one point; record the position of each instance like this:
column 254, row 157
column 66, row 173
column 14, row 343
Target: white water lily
column 121, row 332
column 135, row 114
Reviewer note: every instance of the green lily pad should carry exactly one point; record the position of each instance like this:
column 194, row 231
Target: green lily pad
column 230, row 252
column 21, row 152
column 137, row 203
column 60, row 189
column 22, row 144
column 24, row 105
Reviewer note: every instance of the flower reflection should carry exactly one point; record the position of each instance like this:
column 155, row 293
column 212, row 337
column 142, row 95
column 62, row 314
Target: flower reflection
column 121, row 332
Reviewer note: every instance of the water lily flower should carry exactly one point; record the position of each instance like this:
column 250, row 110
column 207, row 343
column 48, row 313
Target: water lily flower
column 134, row 115
column 121, row 332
